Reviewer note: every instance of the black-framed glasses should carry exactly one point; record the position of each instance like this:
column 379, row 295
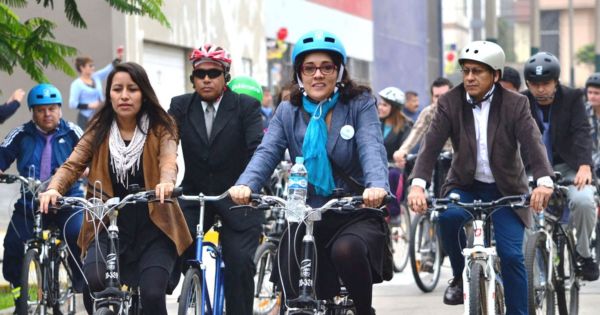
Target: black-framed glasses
column 325, row 68
column 211, row 73
column 475, row 71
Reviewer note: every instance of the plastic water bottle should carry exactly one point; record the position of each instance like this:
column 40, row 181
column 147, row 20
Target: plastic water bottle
column 297, row 191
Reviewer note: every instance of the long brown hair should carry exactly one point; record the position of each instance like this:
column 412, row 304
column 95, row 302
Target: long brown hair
column 396, row 118
column 348, row 89
column 158, row 117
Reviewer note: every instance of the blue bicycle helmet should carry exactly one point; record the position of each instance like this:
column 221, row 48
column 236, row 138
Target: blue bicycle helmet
column 43, row 94
column 318, row 40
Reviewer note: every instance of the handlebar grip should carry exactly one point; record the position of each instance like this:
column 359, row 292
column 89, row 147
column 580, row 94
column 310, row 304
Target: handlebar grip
column 255, row 197
column 177, row 191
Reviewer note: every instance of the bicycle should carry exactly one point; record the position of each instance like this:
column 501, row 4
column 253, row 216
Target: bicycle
column 425, row 248
column 116, row 298
column 307, row 302
column 550, row 259
column 400, row 230
column 46, row 277
column 483, row 286
column 195, row 298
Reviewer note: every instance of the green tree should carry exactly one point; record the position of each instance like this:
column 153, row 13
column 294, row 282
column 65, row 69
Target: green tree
column 586, row 54
column 31, row 45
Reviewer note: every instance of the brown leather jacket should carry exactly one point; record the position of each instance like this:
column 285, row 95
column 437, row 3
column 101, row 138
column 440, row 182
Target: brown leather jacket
column 159, row 166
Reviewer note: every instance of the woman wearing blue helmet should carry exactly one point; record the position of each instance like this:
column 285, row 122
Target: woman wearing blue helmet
column 333, row 124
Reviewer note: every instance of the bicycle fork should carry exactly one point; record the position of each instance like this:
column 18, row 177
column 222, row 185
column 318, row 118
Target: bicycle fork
column 480, row 254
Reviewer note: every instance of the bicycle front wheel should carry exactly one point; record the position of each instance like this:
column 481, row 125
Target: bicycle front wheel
column 267, row 298
column 425, row 253
column 63, row 285
column 32, row 295
column 567, row 284
column 540, row 290
column 477, row 290
column 190, row 300
column 400, row 235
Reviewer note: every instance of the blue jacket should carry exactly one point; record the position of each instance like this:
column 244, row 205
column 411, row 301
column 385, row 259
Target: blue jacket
column 361, row 156
column 25, row 144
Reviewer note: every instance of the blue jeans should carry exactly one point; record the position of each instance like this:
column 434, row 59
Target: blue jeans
column 508, row 232
column 20, row 229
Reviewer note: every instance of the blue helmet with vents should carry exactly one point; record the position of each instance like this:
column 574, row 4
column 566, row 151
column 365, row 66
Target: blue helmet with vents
column 44, row 94
column 318, row 40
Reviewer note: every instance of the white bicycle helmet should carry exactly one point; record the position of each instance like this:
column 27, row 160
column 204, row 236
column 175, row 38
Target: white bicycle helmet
column 394, row 96
column 488, row 53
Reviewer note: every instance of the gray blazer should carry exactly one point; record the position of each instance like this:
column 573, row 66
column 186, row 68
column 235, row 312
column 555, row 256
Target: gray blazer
column 509, row 124
column 362, row 156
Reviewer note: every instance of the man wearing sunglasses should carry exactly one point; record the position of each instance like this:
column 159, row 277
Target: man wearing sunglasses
column 219, row 131
column 485, row 123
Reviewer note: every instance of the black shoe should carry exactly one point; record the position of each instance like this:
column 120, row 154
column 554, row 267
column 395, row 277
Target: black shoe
column 454, row 292
column 19, row 310
column 589, row 269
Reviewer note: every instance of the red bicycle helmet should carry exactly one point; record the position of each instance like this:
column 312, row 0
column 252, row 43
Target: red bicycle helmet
column 211, row 53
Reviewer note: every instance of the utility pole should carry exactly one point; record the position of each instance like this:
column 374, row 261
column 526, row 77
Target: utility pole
column 571, row 61
column 491, row 21
column 534, row 31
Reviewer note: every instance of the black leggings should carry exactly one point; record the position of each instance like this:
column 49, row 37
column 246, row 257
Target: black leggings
column 349, row 255
column 153, row 286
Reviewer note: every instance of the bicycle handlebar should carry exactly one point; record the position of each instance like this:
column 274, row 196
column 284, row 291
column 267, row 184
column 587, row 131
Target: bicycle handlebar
column 510, row 201
column 142, row 196
column 202, row 197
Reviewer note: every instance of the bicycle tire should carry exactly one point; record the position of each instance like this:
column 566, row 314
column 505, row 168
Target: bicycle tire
column 104, row 311
column 400, row 239
column 567, row 284
column 540, row 293
column 499, row 296
column 65, row 294
column 477, row 290
column 267, row 298
column 32, row 286
column 425, row 280
column 191, row 293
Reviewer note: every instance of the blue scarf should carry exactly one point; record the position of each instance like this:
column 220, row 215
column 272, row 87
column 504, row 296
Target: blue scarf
column 314, row 147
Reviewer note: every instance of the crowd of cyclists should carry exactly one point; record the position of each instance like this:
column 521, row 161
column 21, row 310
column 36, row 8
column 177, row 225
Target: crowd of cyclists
column 352, row 142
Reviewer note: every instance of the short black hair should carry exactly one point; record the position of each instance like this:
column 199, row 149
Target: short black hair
column 411, row 94
column 441, row 81
column 512, row 76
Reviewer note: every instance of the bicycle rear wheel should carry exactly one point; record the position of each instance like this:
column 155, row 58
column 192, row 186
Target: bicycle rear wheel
column 540, row 290
column 425, row 253
column 32, row 295
column 104, row 311
column 190, row 300
column 400, row 235
column 477, row 290
column 567, row 284
column 63, row 277
column 267, row 298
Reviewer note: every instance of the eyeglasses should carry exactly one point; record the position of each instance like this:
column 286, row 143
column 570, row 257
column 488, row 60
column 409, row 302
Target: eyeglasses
column 311, row 69
column 211, row 73
column 475, row 71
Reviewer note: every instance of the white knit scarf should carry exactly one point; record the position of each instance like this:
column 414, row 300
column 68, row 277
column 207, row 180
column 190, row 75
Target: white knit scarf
column 123, row 157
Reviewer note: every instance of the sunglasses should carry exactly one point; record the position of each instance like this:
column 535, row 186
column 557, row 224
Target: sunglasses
column 211, row 73
column 325, row 68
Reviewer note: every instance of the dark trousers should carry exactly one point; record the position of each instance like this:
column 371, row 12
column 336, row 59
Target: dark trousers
column 508, row 232
column 20, row 229
column 238, row 249
column 396, row 179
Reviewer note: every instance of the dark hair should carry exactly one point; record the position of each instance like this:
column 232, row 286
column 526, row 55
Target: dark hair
column 441, row 81
column 82, row 61
column 348, row 89
column 512, row 76
column 398, row 118
column 411, row 94
column 102, row 121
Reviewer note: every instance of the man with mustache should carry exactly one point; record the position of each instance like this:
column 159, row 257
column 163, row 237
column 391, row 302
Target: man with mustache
column 560, row 114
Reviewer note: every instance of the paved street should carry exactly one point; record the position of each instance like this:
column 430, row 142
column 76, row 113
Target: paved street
column 399, row 296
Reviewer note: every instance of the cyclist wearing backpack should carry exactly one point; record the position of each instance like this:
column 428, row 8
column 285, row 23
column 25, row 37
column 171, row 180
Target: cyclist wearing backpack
column 40, row 146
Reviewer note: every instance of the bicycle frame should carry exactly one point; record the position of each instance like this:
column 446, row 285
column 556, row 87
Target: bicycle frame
column 215, row 251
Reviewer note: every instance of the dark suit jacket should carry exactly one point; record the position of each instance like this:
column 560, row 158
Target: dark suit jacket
column 509, row 124
column 213, row 165
column 570, row 128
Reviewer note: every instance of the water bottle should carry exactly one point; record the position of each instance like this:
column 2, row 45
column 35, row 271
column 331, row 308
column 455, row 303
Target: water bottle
column 297, row 191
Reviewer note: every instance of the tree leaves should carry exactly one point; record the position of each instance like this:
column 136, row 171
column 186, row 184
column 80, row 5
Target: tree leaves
column 31, row 44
